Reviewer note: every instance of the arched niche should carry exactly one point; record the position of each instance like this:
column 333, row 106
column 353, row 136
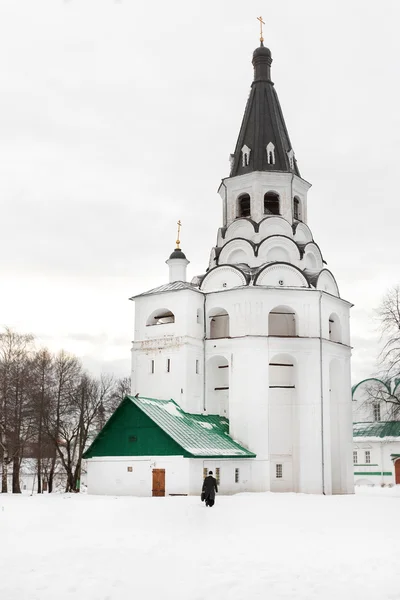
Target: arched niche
column 217, row 391
column 302, row 234
column 243, row 228
column 161, row 316
column 312, row 258
column 279, row 248
column 326, row 282
column 282, row 322
column 335, row 328
column 281, row 275
column 217, row 323
column 237, row 251
column 274, row 226
column 223, row 277
column 309, row 261
column 282, row 422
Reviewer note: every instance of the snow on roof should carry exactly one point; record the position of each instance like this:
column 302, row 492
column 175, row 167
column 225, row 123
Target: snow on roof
column 390, row 430
column 199, row 435
column 175, row 286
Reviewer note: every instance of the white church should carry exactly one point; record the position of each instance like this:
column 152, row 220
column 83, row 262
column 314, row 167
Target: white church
column 245, row 369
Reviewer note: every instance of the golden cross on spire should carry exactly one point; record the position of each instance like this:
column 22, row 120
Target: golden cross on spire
column 178, row 241
column 261, row 29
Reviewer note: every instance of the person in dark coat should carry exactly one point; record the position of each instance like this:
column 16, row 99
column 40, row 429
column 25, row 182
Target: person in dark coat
column 209, row 489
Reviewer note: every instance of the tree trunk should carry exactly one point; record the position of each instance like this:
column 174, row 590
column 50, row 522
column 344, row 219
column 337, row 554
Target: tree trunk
column 39, row 475
column 77, row 477
column 16, row 487
column 51, row 474
column 4, row 472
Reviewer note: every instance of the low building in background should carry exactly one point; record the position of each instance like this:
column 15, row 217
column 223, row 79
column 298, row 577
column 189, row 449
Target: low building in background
column 376, row 432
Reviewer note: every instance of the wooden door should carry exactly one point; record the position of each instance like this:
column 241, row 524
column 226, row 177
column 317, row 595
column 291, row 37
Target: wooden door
column 397, row 471
column 158, row 482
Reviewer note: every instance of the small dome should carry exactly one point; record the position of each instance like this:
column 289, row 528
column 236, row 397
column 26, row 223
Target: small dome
column 177, row 253
column 261, row 51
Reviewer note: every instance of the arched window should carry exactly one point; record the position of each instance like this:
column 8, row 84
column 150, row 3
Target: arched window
column 271, row 154
column 244, row 205
column 162, row 316
column 296, row 208
column 271, row 204
column 335, row 333
column 282, row 322
column 218, row 324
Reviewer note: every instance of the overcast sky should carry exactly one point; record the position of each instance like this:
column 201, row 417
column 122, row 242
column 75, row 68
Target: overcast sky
column 117, row 118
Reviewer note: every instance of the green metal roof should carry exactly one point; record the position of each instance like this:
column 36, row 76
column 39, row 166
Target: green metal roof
column 201, row 436
column 378, row 429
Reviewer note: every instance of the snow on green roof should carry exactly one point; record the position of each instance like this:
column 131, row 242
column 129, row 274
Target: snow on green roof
column 378, row 429
column 201, row 436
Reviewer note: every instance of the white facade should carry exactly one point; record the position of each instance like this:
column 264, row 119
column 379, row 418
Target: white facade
column 257, row 342
column 374, row 462
column 263, row 336
column 110, row 475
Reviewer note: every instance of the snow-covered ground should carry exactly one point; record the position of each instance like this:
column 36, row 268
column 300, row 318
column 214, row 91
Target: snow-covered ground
column 246, row 547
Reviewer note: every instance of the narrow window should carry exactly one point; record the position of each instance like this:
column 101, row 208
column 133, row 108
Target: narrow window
column 245, row 156
column 291, row 158
column 244, row 206
column 168, row 365
column 197, row 366
column 279, row 471
column 271, row 204
column 204, row 472
column 152, row 367
column 271, row 154
column 296, row 208
column 217, row 475
column 377, row 411
column 236, row 475
column 355, row 457
column 198, row 316
column 367, row 457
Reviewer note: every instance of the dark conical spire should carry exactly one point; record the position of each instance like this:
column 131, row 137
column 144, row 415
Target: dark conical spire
column 263, row 143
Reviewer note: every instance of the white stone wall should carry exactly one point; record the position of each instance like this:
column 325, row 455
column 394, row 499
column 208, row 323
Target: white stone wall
column 257, row 184
column 280, row 426
column 110, row 475
column 180, row 343
column 381, row 461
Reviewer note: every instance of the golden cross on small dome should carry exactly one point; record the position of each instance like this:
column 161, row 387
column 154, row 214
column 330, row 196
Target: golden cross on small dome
column 178, row 241
column 261, row 29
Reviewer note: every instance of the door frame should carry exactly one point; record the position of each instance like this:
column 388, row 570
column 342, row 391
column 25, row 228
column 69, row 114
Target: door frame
column 156, row 492
column 397, row 471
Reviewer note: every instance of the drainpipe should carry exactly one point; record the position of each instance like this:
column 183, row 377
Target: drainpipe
column 225, row 205
column 291, row 197
column 204, row 352
column 322, row 396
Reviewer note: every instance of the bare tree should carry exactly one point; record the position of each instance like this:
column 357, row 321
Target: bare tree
column 67, row 372
column 122, row 388
column 384, row 390
column 77, row 418
column 15, row 413
column 388, row 315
